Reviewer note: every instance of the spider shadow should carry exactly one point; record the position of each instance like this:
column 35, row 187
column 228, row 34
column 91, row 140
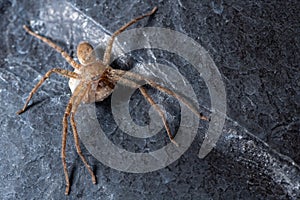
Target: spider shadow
column 35, row 103
column 75, row 167
column 73, row 170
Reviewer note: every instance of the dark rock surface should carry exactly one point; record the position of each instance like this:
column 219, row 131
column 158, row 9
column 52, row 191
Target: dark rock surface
column 255, row 46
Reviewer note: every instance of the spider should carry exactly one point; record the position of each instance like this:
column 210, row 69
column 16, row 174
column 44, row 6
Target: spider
column 96, row 82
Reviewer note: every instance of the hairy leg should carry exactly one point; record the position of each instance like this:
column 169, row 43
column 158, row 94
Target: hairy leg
column 160, row 112
column 106, row 57
column 73, row 104
column 80, row 92
column 64, row 142
column 64, row 54
column 137, row 77
column 132, row 84
column 54, row 70
column 64, row 136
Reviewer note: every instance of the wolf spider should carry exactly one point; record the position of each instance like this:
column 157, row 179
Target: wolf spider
column 96, row 82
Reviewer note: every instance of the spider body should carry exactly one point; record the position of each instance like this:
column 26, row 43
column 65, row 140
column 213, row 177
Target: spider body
column 100, row 85
column 94, row 71
column 94, row 80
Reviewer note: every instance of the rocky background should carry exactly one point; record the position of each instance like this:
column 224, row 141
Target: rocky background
column 255, row 46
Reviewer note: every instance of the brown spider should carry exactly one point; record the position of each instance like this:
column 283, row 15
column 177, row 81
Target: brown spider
column 96, row 82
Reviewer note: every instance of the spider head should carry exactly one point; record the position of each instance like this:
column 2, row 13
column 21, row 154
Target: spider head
column 85, row 53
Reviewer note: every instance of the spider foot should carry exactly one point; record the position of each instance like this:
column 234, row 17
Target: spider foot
column 67, row 189
column 94, row 179
column 205, row 118
column 20, row 111
column 174, row 142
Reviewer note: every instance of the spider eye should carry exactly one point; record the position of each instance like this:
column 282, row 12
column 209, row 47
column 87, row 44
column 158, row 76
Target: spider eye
column 84, row 53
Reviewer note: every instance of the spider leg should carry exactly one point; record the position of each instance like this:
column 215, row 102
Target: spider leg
column 132, row 84
column 54, row 70
column 64, row 142
column 106, row 57
column 80, row 92
column 64, row 54
column 160, row 112
column 64, row 136
column 73, row 104
column 137, row 77
column 180, row 98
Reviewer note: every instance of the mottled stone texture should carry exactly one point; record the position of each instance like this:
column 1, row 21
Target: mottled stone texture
column 256, row 47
